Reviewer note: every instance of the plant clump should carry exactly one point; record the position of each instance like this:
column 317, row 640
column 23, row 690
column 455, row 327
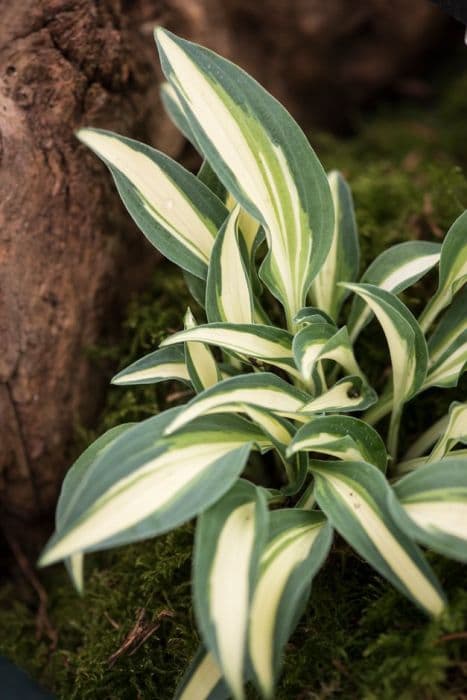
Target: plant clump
column 349, row 640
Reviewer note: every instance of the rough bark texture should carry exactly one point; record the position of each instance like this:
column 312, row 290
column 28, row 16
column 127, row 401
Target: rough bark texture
column 67, row 247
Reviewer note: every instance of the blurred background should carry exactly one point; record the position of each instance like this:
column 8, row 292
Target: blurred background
column 379, row 87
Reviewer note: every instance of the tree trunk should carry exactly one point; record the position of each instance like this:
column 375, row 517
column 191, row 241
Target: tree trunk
column 66, row 245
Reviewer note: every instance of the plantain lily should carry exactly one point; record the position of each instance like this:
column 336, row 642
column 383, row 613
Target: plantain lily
column 262, row 220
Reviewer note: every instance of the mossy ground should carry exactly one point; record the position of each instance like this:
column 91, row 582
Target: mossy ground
column 359, row 638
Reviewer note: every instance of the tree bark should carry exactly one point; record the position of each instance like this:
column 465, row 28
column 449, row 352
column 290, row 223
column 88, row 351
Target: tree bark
column 67, row 248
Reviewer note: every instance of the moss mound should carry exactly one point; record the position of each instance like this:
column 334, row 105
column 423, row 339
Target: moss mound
column 132, row 634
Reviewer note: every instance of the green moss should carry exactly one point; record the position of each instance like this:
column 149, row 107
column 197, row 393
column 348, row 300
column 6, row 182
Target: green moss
column 358, row 638
column 153, row 576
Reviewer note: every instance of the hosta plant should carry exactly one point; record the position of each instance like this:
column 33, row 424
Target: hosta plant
column 283, row 441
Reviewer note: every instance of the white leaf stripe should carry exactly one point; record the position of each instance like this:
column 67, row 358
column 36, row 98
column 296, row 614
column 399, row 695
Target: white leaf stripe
column 75, row 568
column 158, row 483
column 349, row 394
column 342, row 262
column 407, row 346
column 229, row 296
column 229, row 539
column 75, row 476
column 354, row 498
column 307, row 345
column 451, row 326
column 256, row 162
column 262, row 389
column 433, row 506
column 447, row 516
column 448, row 369
column 79, row 473
column 202, row 680
column 144, row 485
column 341, row 436
column 161, row 365
column 452, row 270
column 453, row 432
column 280, row 430
column 339, row 349
column 394, row 270
column 175, row 211
column 298, row 544
column 258, row 342
column 201, row 365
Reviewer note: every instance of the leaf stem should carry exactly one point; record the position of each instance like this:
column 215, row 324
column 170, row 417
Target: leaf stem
column 393, row 434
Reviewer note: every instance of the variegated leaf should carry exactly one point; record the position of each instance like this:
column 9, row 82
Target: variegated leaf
column 201, row 365
column 174, row 210
column 230, row 538
column 394, row 270
column 308, row 344
column 261, row 389
column 407, row 347
column 452, row 324
column 452, row 270
column 145, row 484
column 455, row 432
column 354, row 497
column 229, row 296
column 348, row 394
column 343, row 259
column 71, row 484
column 281, row 432
column 447, row 371
column 299, row 542
column 427, row 439
column 311, row 314
column 174, row 109
column 431, row 506
column 251, row 142
column 254, row 342
column 202, row 680
column 447, row 346
column 344, row 437
column 159, row 366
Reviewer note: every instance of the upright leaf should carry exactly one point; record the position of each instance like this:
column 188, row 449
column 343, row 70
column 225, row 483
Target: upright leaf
column 354, row 497
column 454, row 432
column 202, row 680
column 229, row 296
column 343, row 259
column 281, row 433
column 407, row 347
column 431, row 506
column 262, row 157
column 145, row 484
column 452, row 270
column 230, row 537
column 308, row 344
column 201, row 365
column 447, row 346
column 174, row 210
column 299, row 542
column 394, row 270
column 344, row 437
